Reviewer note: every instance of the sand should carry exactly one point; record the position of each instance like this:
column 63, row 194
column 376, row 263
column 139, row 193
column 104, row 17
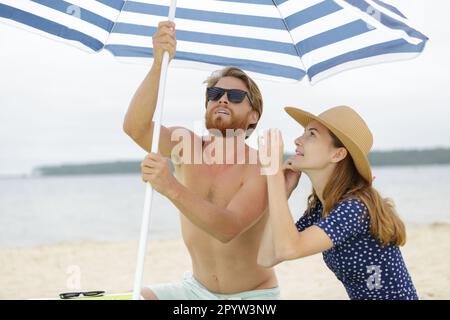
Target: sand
column 45, row 271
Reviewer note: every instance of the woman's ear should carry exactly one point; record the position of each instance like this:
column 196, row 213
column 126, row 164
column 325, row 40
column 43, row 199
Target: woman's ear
column 339, row 155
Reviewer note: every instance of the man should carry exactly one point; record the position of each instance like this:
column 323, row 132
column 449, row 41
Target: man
column 222, row 198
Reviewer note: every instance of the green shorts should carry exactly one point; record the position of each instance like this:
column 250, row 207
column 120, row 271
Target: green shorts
column 190, row 289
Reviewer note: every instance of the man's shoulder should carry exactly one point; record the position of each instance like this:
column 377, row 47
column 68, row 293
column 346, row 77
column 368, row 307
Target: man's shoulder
column 179, row 131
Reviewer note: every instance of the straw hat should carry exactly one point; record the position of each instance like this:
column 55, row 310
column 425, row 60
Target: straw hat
column 350, row 129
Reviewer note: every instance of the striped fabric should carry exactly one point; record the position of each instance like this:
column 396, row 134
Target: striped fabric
column 272, row 39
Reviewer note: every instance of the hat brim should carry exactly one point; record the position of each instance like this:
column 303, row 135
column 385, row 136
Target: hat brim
column 359, row 157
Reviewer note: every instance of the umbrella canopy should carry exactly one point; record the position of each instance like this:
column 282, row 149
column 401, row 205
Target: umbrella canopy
column 278, row 40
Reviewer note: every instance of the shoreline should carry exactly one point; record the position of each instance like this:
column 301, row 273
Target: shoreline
column 47, row 270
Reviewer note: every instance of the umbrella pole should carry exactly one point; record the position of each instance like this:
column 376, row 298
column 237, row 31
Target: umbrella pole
column 149, row 189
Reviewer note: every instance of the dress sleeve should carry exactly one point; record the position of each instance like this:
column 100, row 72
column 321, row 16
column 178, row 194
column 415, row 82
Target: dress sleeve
column 347, row 219
column 307, row 220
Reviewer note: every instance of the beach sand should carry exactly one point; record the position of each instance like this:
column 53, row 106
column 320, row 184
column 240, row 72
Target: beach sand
column 45, row 271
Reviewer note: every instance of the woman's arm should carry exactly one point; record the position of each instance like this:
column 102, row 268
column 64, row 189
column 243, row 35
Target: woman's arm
column 281, row 240
column 280, row 233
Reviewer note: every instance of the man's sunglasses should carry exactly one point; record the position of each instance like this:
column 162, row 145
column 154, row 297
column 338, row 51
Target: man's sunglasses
column 69, row 295
column 234, row 95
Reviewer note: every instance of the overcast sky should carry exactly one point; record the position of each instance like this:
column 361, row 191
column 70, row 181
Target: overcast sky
column 59, row 104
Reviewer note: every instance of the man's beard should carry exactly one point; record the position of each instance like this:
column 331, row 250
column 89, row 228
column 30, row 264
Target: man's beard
column 221, row 124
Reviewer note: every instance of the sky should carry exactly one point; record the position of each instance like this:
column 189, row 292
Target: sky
column 60, row 105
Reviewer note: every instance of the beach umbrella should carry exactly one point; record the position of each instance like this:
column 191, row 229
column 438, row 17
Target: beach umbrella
column 275, row 39
column 282, row 40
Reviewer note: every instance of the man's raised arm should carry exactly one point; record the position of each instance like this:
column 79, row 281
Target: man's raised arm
column 138, row 122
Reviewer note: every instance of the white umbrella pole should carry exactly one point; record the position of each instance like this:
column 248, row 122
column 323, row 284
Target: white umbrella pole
column 149, row 189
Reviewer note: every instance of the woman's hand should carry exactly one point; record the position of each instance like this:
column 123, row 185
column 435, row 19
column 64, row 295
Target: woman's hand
column 271, row 152
column 291, row 176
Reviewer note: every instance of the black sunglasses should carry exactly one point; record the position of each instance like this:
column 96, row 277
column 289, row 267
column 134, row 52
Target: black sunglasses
column 69, row 295
column 234, row 95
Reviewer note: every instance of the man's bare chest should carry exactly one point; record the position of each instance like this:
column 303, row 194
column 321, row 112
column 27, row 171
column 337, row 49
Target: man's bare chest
column 215, row 183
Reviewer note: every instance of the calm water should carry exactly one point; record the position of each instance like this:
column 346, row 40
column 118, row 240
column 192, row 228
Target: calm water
column 47, row 210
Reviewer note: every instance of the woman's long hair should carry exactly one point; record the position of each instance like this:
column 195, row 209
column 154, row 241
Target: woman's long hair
column 346, row 183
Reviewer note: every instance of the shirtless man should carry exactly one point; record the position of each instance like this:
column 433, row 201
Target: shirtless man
column 222, row 203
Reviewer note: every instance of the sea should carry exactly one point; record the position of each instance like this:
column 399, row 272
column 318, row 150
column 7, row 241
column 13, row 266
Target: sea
column 53, row 209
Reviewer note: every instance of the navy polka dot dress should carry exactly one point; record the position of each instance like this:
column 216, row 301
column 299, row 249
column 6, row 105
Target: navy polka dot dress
column 367, row 269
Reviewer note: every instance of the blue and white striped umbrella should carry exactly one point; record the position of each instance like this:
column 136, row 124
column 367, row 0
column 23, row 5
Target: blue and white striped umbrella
column 279, row 39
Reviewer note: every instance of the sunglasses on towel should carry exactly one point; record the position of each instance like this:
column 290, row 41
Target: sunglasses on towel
column 234, row 95
column 69, row 295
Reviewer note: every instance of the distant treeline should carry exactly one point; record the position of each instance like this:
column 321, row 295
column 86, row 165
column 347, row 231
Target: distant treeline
column 117, row 167
column 410, row 157
column 376, row 158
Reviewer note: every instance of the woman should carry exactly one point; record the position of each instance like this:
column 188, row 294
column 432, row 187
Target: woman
column 357, row 231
